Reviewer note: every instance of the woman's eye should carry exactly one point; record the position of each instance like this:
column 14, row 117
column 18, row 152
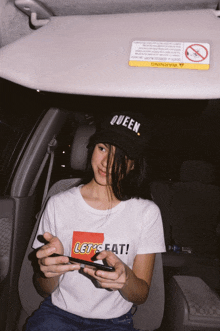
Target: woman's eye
column 102, row 149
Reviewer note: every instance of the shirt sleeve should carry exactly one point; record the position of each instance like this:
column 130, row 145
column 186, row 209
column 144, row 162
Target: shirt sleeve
column 46, row 224
column 152, row 234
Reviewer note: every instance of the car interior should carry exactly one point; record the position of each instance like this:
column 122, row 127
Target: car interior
column 63, row 64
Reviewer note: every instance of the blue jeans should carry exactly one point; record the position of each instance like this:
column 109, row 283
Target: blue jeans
column 51, row 318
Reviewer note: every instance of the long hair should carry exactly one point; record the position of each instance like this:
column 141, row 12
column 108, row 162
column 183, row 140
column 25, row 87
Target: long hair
column 125, row 184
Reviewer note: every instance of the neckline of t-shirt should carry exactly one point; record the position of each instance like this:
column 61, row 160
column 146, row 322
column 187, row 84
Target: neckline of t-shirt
column 86, row 206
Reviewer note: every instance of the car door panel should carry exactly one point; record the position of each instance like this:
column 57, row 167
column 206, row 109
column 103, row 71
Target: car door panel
column 18, row 218
column 6, row 222
column 21, row 219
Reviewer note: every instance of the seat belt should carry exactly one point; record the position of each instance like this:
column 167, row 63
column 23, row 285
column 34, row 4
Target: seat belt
column 50, row 153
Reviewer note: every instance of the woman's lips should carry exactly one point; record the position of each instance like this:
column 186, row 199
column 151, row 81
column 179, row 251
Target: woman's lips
column 102, row 173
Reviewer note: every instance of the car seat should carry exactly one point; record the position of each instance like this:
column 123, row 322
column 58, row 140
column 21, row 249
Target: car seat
column 147, row 316
column 190, row 211
column 190, row 207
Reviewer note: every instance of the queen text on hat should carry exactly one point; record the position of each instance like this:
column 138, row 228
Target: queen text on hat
column 126, row 121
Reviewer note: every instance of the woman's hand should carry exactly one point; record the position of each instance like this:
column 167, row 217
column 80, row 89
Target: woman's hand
column 53, row 266
column 109, row 280
column 132, row 284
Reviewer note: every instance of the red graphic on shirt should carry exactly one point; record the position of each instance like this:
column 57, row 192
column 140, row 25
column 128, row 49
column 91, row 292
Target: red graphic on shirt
column 86, row 244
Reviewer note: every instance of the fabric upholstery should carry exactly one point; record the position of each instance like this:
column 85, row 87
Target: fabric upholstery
column 197, row 171
column 195, row 291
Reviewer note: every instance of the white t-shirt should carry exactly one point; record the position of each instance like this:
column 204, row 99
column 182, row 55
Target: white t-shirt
column 130, row 228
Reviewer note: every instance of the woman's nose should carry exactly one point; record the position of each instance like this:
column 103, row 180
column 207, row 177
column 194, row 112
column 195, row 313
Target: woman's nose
column 104, row 160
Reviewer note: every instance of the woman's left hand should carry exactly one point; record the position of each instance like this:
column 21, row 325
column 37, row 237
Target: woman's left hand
column 110, row 280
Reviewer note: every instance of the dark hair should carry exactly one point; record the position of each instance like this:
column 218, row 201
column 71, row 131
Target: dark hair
column 125, row 185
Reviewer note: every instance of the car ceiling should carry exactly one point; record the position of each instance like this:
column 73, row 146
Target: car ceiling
column 14, row 24
column 85, row 7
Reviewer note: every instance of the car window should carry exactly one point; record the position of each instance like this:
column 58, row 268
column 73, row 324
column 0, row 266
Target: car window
column 9, row 138
column 20, row 110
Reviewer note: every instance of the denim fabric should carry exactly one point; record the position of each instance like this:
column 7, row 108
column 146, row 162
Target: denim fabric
column 49, row 317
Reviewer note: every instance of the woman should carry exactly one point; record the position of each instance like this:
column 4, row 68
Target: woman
column 108, row 219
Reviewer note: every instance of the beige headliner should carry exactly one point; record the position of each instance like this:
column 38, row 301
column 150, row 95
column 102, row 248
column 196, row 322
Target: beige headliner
column 90, row 54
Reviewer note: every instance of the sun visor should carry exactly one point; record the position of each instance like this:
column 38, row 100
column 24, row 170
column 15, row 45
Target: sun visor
column 147, row 55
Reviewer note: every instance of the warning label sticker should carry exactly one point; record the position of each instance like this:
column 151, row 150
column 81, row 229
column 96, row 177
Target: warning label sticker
column 162, row 54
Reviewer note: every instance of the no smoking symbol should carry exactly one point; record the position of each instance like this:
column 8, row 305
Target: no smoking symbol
column 196, row 53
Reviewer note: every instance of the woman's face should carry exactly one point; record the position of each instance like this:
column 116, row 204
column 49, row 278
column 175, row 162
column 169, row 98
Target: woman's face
column 99, row 163
column 102, row 161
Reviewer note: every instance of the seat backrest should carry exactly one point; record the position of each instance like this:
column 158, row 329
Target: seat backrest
column 148, row 316
column 195, row 207
column 161, row 192
column 190, row 208
column 29, row 297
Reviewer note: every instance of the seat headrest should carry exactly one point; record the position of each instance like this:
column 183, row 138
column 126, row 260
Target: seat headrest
column 79, row 151
column 197, row 170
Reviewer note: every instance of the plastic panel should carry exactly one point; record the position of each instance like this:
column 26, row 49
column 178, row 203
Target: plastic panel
column 90, row 54
column 191, row 305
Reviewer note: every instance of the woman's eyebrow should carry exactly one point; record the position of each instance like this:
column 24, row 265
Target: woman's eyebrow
column 106, row 145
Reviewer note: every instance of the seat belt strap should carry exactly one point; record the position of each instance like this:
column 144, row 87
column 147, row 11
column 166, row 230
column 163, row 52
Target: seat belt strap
column 50, row 152
column 51, row 148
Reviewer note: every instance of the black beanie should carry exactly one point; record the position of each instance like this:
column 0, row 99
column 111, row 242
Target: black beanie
column 124, row 130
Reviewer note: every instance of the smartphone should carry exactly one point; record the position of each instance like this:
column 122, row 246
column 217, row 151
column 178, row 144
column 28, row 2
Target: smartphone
column 90, row 264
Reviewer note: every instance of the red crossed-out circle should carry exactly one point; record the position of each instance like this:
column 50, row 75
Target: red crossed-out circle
column 196, row 52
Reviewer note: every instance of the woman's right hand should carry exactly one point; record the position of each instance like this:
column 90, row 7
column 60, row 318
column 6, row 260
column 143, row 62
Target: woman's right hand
column 53, row 266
